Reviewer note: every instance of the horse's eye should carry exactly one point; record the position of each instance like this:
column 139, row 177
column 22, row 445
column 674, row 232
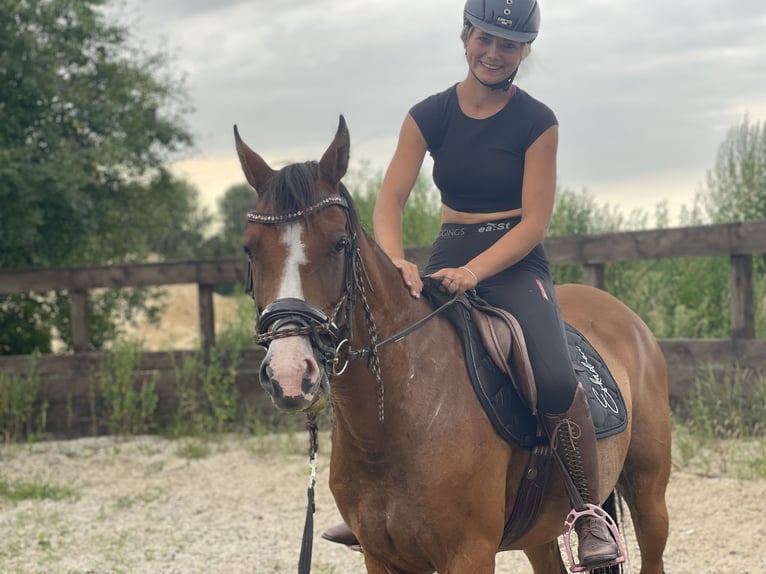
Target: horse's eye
column 340, row 246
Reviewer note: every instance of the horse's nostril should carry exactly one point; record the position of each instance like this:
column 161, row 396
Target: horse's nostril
column 310, row 375
column 312, row 369
column 265, row 375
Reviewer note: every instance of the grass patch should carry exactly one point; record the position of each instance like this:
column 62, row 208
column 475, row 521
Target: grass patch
column 129, row 399
column 754, row 468
column 17, row 491
column 719, row 429
column 193, row 449
column 726, row 404
column 288, row 443
column 20, row 416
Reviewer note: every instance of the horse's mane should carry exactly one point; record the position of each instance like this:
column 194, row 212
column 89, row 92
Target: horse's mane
column 293, row 188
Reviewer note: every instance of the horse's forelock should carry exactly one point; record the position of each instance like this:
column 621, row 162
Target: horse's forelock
column 292, row 188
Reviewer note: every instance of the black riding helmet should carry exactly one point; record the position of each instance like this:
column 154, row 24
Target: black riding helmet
column 516, row 20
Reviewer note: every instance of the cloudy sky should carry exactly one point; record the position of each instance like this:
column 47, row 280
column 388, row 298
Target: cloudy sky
column 644, row 91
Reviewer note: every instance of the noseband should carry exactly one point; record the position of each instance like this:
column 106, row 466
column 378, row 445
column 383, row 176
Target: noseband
column 310, row 321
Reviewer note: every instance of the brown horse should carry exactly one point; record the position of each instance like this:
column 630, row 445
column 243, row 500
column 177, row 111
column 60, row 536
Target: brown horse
column 416, row 469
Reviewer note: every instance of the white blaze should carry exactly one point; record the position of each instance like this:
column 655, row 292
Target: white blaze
column 291, row 358
column 296, row 256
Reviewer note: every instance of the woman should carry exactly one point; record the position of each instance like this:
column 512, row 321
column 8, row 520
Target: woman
column 494, row 151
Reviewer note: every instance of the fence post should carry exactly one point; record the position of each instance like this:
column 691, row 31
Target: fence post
column 206, row 316
column 742, row 300
column 78, row 318
column 594, row 274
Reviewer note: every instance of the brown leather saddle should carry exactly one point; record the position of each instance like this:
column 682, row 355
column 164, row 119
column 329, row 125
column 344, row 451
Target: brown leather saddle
column 503, row 340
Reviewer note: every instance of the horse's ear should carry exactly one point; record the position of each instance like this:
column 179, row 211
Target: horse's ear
column 334, row 162
column 257, row 171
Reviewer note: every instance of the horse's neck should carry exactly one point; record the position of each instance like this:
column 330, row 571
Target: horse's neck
column 391, row 307
column 357, row 393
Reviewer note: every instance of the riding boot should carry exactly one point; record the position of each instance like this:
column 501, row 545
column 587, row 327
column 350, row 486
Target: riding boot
column 342, row 534
column 573, row 440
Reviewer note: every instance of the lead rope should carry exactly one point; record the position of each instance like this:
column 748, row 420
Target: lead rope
column 304, row 564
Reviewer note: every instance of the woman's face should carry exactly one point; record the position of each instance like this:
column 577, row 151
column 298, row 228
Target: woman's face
column 492, row 58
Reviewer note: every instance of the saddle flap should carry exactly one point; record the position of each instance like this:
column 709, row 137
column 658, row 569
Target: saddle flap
column 504, row 340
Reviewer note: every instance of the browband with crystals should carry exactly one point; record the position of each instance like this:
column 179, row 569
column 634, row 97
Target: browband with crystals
column 270, row 219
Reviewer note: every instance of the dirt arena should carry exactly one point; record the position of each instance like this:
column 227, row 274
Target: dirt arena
column 236, row 505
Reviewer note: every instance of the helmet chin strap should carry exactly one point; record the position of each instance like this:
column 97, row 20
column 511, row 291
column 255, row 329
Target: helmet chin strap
column 504, row 85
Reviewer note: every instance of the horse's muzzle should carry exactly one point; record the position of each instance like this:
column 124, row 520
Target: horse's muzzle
column 307, row 391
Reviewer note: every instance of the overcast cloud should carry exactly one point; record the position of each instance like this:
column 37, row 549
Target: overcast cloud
column 644, row 91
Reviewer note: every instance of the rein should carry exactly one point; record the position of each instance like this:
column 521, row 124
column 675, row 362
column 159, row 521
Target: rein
column 362, row 353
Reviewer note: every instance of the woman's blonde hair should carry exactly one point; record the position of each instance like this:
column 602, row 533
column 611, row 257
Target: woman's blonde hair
column 465, row 33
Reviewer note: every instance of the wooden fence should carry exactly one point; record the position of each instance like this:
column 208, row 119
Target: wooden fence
column 66, row 380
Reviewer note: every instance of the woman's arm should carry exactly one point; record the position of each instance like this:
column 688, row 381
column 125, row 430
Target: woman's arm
column 395, row 190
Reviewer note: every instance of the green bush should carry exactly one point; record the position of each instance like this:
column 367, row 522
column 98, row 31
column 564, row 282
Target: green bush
column 726, row 404
column 128, row 397
column 19, row 417
column 208, row 400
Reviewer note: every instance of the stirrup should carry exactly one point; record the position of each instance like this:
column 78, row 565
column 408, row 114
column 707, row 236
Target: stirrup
column 601, row 514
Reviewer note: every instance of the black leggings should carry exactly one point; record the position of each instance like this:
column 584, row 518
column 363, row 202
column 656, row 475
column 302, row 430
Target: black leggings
column 525, row 290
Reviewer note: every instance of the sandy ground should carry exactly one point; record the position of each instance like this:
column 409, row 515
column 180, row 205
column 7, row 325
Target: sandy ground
column 145, row 505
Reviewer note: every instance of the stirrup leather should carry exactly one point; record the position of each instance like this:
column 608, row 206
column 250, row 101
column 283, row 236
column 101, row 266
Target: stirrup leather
column 600, row 514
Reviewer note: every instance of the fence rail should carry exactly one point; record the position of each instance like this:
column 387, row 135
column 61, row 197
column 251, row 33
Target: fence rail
column 65, row 379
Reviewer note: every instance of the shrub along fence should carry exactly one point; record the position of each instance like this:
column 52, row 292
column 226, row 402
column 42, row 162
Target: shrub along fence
column 66, row 382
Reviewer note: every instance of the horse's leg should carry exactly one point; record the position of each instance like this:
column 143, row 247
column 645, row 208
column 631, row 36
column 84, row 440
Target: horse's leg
column 643, row 483
column 546, row 558
column 646, row 500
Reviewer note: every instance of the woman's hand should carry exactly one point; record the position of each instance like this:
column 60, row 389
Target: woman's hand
column 410, row 276
column 456, row 279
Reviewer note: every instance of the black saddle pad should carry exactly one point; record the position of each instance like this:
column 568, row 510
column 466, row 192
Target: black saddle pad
column 507, row 411
column 607, row 406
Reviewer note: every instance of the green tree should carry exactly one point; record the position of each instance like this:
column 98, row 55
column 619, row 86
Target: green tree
column 577, row 213
column 87, row 124
column 178, row 230
column 421, row 217
column 736, row 186
column 233, row 206
column 736, row 191
column 676, row 297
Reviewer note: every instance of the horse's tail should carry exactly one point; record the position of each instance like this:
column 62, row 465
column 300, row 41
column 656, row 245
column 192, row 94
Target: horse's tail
column 610, row 507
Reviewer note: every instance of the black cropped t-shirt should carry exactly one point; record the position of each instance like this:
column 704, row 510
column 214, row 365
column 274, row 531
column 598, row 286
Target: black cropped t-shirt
column 479, row 164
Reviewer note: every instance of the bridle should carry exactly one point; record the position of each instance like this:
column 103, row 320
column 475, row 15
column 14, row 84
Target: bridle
column 326, row 333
